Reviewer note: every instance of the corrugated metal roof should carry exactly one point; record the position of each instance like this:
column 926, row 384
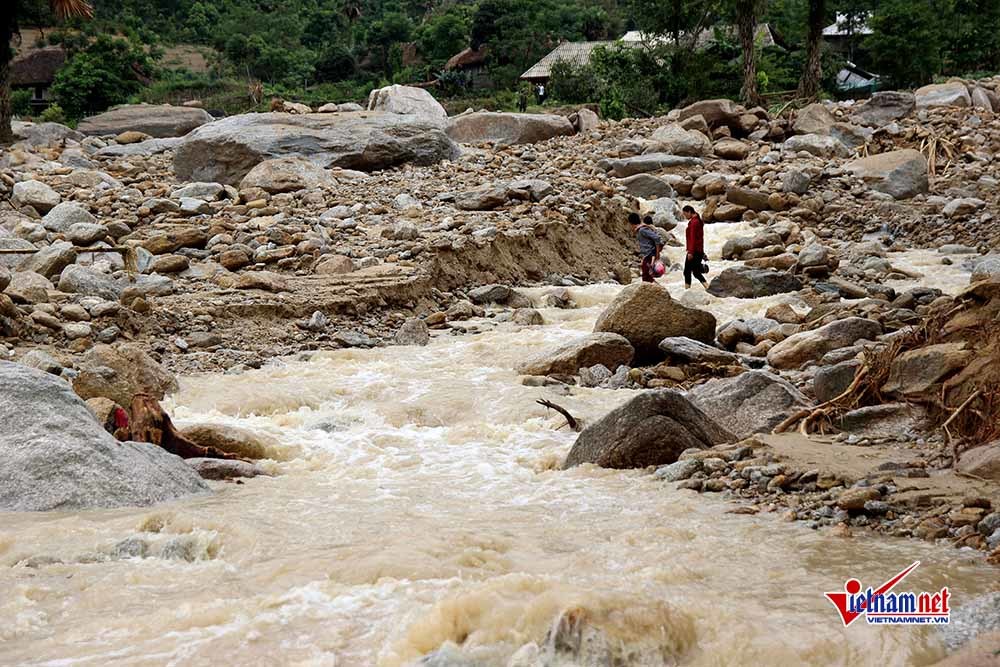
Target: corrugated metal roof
column 577, row 53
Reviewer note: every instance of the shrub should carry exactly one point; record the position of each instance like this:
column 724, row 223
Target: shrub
column 54, row 114
column 20, row 102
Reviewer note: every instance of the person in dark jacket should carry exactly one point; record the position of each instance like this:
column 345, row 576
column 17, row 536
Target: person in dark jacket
column 650, row 246
column 695, row 247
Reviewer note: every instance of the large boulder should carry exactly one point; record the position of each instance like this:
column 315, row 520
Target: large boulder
column 745, row 283
column 752, row 402
column 820, row 145
column 814, row 119
column 885, row 107
column 916, row 371
column 675, row 140
column 810, row 345
column 56, row 456
column 406, row 100
column 509, row 128
column 651, row 429
column 226, row 150
column 36, row 194
column 607, row 349
column 77, row 279
column 119, row 373
column 982, row 461
column 951, row 94
column 716, row 113
column 156, row 120
column 902, row 174
column 51, row 260
column 645, row 314
column 65, row 215
column 44, row 134
column 286, row 174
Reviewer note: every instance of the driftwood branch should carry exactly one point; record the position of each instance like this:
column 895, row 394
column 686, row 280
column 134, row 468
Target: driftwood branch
column 570, row 419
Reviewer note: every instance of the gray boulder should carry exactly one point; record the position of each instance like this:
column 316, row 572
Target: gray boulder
column 156, row 120
column 84, row 280
column 36, row 194
column 65, row 215
column 56, row 456
column 286, row 174
column 885, row 107
column 810, row 345
column 746, row 283
column 44, row 134
column 605, row 349
column 950, row 94
column 508, row 128
column 407, row 100
column 226, row 150
column 142, row 148
column 651, row 429
column 902, row 174
column 645, row 314
column 832, row 381
column 50, row 261
column 752, row 402
column 413, row 332
column 683, row 349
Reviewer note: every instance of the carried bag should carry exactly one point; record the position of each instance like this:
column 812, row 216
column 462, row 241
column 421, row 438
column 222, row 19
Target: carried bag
column 704, row 263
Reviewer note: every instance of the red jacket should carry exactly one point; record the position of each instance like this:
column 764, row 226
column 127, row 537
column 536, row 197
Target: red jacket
column 696, row 235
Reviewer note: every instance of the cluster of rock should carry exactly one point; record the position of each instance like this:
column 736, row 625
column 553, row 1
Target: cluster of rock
column 750, row 470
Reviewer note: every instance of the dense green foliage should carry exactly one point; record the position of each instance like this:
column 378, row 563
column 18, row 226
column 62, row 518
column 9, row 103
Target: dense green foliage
column 104, row 73
column 318, row 50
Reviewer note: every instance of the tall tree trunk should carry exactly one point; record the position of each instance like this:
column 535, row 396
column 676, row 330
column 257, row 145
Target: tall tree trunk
column 746, row 19
column 8, row 21
column 812, row 74
column 6, row 112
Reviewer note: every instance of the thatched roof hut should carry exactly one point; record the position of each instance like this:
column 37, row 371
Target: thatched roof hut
column 576, row 53
column 37, row 67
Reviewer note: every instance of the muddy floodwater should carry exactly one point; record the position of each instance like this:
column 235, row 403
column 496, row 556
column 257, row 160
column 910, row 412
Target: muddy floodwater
column 418, row 506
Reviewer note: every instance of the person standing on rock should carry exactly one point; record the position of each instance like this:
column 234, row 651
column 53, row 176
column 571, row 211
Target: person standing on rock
column 650, row 246
column 695, row 248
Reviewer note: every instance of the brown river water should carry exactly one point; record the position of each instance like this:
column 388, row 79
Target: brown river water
column 419, row 505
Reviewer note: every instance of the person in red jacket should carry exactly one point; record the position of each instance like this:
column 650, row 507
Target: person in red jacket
column 695, row 247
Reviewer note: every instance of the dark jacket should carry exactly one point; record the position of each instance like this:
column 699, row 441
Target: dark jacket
column 649, row 241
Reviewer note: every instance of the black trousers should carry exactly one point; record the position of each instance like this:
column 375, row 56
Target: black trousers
column 693, row 266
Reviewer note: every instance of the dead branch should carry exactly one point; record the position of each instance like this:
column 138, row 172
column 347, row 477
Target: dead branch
column 570, row 419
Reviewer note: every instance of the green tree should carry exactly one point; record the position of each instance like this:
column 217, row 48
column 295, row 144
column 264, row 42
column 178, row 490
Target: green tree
column 446, row 33
column 973, row 44
column 104, row 74
column 392, row 29
column 909, row 39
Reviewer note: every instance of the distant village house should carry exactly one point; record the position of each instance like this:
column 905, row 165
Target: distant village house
column 35, row 71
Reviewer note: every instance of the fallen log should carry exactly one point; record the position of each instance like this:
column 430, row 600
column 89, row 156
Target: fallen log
column 150, row 423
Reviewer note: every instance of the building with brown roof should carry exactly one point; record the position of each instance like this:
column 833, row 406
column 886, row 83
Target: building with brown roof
column 35, row 70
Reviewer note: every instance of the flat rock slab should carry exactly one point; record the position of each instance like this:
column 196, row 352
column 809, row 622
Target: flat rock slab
column 156, row 120
column 226, row 150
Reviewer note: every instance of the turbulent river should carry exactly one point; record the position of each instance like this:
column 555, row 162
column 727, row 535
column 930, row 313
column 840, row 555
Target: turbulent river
column 418, row 504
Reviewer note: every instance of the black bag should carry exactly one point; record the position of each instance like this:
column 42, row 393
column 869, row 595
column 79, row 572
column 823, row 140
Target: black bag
column 704, row 264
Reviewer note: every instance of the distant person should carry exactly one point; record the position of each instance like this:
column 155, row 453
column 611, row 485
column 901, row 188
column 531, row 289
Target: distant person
column 650, row 246
column 522, row 100
column 695, row 248
column 541, row 93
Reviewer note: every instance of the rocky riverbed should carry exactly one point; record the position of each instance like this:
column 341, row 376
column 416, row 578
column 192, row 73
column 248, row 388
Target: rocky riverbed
column 841, row 370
